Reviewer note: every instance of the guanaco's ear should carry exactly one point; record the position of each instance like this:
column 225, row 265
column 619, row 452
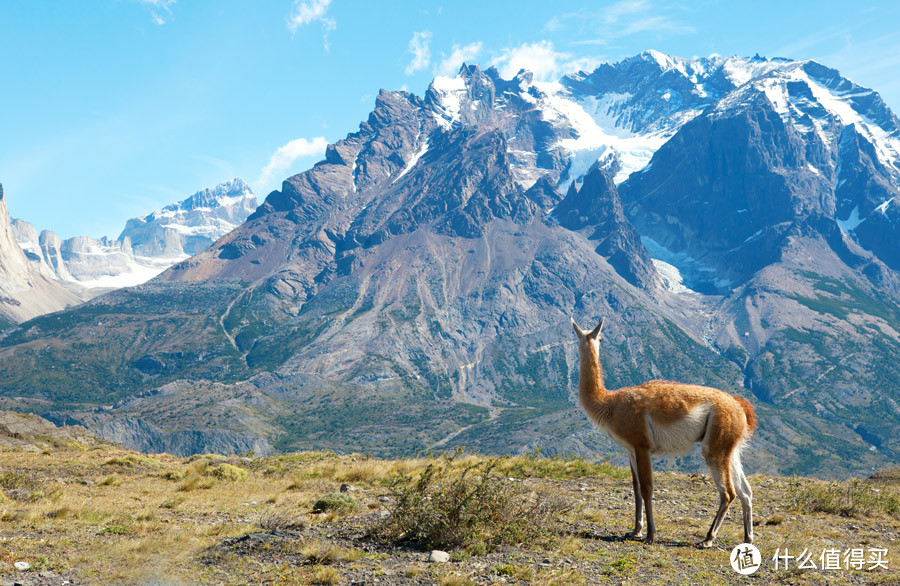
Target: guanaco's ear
column 595, row 334
column 578, row 331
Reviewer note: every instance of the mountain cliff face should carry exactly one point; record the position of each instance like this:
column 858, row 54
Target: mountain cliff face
column 728, row 218
column 24, row 292
column 146, row 247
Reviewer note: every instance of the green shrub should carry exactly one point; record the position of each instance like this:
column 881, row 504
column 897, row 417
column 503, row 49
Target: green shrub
column 449, row 508
column 335, row 501
column 11, row 480
column 131, row 460
column 174, row 475
column 228, row 472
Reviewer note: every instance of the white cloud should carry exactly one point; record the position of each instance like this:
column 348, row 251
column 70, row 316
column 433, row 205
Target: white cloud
column 160, row 10
column 284, row 157
column 541, row 59
column 618, row 20
column 614, row 13
column 449, row 65
column 309, row 11
column 420, row 47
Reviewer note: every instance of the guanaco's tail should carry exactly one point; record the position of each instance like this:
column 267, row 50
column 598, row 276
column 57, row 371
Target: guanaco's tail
column 749, row 412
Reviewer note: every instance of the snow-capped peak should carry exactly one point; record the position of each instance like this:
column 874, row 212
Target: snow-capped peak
column 815, row 99
column 450, row 93
column 224, row 195
column 627, row 110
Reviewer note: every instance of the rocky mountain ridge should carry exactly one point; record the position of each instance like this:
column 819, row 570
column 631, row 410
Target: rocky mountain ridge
column 147, row 245
column 413, row 288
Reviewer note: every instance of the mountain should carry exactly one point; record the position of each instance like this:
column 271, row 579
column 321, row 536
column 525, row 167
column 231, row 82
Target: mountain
column 147, row 246
column 24, row 292
column 730, row 218
column 187, row 227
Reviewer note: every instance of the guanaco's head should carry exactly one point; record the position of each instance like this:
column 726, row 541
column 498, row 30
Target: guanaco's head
column 589, row 341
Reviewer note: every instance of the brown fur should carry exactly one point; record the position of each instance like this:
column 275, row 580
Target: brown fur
column 662, row 416
column 749, row 413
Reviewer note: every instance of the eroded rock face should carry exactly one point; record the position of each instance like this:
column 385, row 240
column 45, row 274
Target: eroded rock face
column 726, row 185
column 137, row 434
column 594, row 205
column 24, row 291
column 29, row 432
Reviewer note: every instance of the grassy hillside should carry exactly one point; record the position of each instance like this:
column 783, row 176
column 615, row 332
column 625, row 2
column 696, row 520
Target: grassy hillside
column 102, row 515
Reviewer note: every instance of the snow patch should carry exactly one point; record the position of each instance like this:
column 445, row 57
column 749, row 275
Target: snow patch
column 752, row 236
column 139, row 271
column 412, row 162
column 450, row 91
column 850, row 224
column 837, row 104
column 671, row 276
column 597, row 125
column 694, row 275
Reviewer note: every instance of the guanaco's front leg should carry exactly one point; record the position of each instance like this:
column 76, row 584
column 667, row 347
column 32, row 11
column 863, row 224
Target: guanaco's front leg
column 645, row 480
column 638, row 501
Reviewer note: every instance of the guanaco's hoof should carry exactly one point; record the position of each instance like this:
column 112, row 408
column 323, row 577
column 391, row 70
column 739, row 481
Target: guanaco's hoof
column 634, row 535
column 706, row 544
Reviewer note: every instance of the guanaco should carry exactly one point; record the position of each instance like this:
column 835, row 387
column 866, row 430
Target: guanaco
column 664, row 417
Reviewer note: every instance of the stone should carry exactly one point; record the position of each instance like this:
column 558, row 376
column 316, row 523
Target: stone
column 439, row 557
column 22, row 566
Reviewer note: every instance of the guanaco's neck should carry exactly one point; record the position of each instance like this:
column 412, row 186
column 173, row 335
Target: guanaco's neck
column 591, row 389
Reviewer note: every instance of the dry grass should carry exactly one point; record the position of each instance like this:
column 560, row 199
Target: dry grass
column 160, row 517
column 274, row 521
column 325, row 575
column 454, row 579
column 850, row 499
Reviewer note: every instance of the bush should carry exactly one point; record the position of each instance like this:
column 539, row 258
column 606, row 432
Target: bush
column 335, row 501
column 10, row 480
column 229, row 472
column 447, row 508
column 174, row 475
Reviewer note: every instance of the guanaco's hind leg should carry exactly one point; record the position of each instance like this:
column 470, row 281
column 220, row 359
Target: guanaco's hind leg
column 645, row 480
column 746, row 495
column 720, row 467
column 638, row 500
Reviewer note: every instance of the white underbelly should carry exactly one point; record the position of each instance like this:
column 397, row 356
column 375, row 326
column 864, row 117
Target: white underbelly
column 678, row 438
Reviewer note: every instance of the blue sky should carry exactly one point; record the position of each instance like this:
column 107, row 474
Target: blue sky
column 110, row 109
